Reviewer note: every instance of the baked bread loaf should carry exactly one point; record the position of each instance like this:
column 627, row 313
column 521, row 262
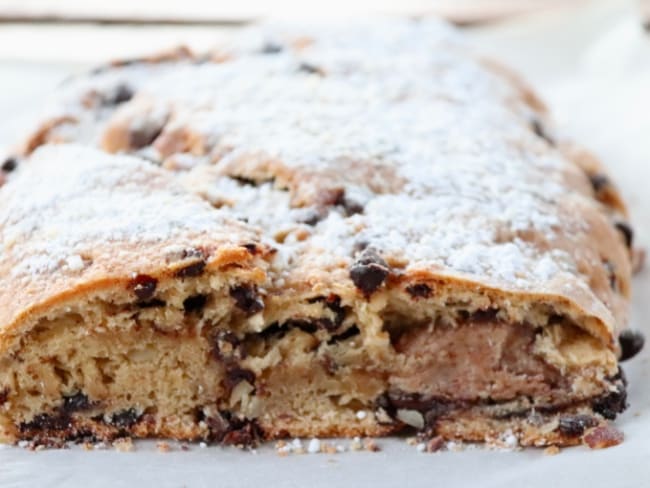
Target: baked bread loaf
column 326, row 231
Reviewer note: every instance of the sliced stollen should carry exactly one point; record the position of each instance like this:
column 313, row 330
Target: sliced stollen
column 319, row 221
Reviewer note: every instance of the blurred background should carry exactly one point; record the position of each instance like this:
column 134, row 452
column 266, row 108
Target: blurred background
column 589, row 59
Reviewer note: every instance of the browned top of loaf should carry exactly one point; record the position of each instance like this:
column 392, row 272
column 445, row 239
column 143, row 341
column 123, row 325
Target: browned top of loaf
column 322, row 140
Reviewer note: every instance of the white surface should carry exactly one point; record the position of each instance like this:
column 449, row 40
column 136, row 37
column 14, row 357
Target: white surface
column 593, row 67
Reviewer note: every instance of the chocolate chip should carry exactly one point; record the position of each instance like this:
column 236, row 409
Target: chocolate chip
column 540, row 131
column 121, row 94
column 628, row 234
column 272, row 48
column 4, row 395
column 349, row 333
column 611, row 275
column 610, row 405
column 242, row 180
column 47, row 422
column 486, row 315
column 9, row 164
column 143, row 136
column 631, row 342
column 231, row 430
column 125, row 419
column 312, row 216
column 599, row 182
column 76, row 403
column 311, row 69
column 369, row 272
column 350, row 206
column 247, row 299
column 575, row 425
column 155, row 303
column 191, row 270
column 144, row 286
column 195, row 303
column 419, row 290
column 251, row 248
column 236, row 375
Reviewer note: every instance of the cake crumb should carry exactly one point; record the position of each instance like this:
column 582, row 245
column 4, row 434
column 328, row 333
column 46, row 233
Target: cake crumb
column 185, row 447
column 314, row 446
column 454, row 446
column 163, row 446
column 435, row 444
column 552, row 451
column 355, row 445
column 412, row 441
column 123, row 444
column 371, row 445
column 510, row 440
column 328, row 448
column 603, row 437
column 88, row 446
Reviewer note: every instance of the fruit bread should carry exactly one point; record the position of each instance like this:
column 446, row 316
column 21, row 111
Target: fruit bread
column 343, row 230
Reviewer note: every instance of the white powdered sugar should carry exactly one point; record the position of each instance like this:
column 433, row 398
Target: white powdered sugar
column 436, row 151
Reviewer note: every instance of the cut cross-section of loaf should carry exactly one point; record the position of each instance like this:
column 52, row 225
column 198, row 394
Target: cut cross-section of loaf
column 352, row 232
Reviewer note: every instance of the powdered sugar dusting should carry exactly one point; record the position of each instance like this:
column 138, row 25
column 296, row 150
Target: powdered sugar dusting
column 70, row 198
column 432, row 157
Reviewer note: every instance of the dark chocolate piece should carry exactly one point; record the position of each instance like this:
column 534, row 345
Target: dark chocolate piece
column 611, row 275
column 310, row 69
column 144, row 286
column 369, row 272
column 155, row 303
column 575, row 425
column 195, row 303
column 631, row 342
column 599, row 182
column 4, row 395
column 125, row 419
column 144, row 136
column 628, row 234
column 46, row 422
column 9, row 164
column 347, row 334
column 271, row 48
column 419, row 290
column 247, row 299
column 236, row 375
column 191, row 270
column 121, row 94
column 77, row 403
column 540, row 131
column 610, row 405
column 487, row 315
column 230, row 430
